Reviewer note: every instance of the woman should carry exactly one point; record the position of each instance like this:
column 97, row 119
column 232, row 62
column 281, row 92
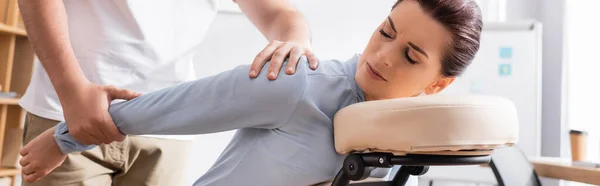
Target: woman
column 285, row 126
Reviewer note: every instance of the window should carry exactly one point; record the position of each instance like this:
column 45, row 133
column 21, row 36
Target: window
column 582, row 69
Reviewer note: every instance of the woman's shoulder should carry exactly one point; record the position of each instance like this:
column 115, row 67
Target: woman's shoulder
column 335, row 67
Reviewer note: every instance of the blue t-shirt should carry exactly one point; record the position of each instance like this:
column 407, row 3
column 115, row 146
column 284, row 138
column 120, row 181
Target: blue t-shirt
column 285, row 126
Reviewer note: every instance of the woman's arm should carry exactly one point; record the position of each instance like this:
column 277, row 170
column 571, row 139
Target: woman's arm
column 227, row 101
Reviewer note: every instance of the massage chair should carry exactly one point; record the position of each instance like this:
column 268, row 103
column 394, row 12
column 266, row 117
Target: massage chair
column 419, row 132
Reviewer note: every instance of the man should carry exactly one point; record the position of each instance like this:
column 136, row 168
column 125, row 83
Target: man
column 93, row 52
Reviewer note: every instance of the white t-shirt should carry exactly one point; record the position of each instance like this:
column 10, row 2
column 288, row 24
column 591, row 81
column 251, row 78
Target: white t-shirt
column 140, row 45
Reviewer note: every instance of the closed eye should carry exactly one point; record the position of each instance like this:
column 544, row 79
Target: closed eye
column 384, row 34
column 410, row 60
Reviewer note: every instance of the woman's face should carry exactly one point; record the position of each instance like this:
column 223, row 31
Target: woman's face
column 403, row 57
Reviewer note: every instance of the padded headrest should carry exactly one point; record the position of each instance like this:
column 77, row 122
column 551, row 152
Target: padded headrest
column 435, row 124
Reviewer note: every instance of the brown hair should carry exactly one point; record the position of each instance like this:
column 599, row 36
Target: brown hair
column 462, row 18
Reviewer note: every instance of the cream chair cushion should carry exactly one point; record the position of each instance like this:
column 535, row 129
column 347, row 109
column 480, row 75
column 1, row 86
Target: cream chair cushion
column 435, row 124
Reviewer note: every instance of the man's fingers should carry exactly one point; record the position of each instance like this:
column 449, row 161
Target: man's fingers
column 262, row 57
column 109, row 128
column 277, row 60
column 95, row 140
column 295, row 55
column 277, row 52
column 24, row 151
column 86, row 137
column 105, row 130
column 96, row 131
column 26, row 170
column 115, row 134
column 112, row 132
column 81, row 137
column 118, row 93
column 33, row 177
column 24, row 161
column 312, row 59
column 105, row 135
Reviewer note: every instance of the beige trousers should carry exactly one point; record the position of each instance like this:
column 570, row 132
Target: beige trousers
column 137, row 161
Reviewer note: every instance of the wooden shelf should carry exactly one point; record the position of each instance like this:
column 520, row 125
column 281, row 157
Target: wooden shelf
column 9, row 172
column 9, row 101
column 16, row 67
column 5, row 29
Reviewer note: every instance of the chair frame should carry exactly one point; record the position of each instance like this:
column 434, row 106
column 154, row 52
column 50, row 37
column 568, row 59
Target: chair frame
column 357, row 166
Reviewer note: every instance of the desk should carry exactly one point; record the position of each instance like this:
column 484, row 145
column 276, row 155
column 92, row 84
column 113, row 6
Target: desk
column 548, row 167
column 561, row 168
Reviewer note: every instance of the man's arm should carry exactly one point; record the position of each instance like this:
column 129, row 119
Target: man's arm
column 226, row 101
column 287, row 31
column 85, row 105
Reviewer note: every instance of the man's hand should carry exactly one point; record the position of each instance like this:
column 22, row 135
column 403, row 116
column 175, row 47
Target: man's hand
column 287, row 31
column 85, row 105
column 87, row 117
column 277, row 52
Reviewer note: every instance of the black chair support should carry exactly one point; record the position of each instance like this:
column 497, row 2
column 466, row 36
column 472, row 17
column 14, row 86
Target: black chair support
column 511, row 167
column 357, row 166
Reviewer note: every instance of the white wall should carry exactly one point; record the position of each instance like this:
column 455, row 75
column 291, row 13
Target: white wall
column 521, row 9
column 554, row 130
column 552, row 15
column 582, row 112
column 340, row 29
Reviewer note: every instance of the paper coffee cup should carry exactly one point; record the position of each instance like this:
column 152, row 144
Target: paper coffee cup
column 578, row 145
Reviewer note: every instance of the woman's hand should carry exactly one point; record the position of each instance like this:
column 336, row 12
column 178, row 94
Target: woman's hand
column 277, row 52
